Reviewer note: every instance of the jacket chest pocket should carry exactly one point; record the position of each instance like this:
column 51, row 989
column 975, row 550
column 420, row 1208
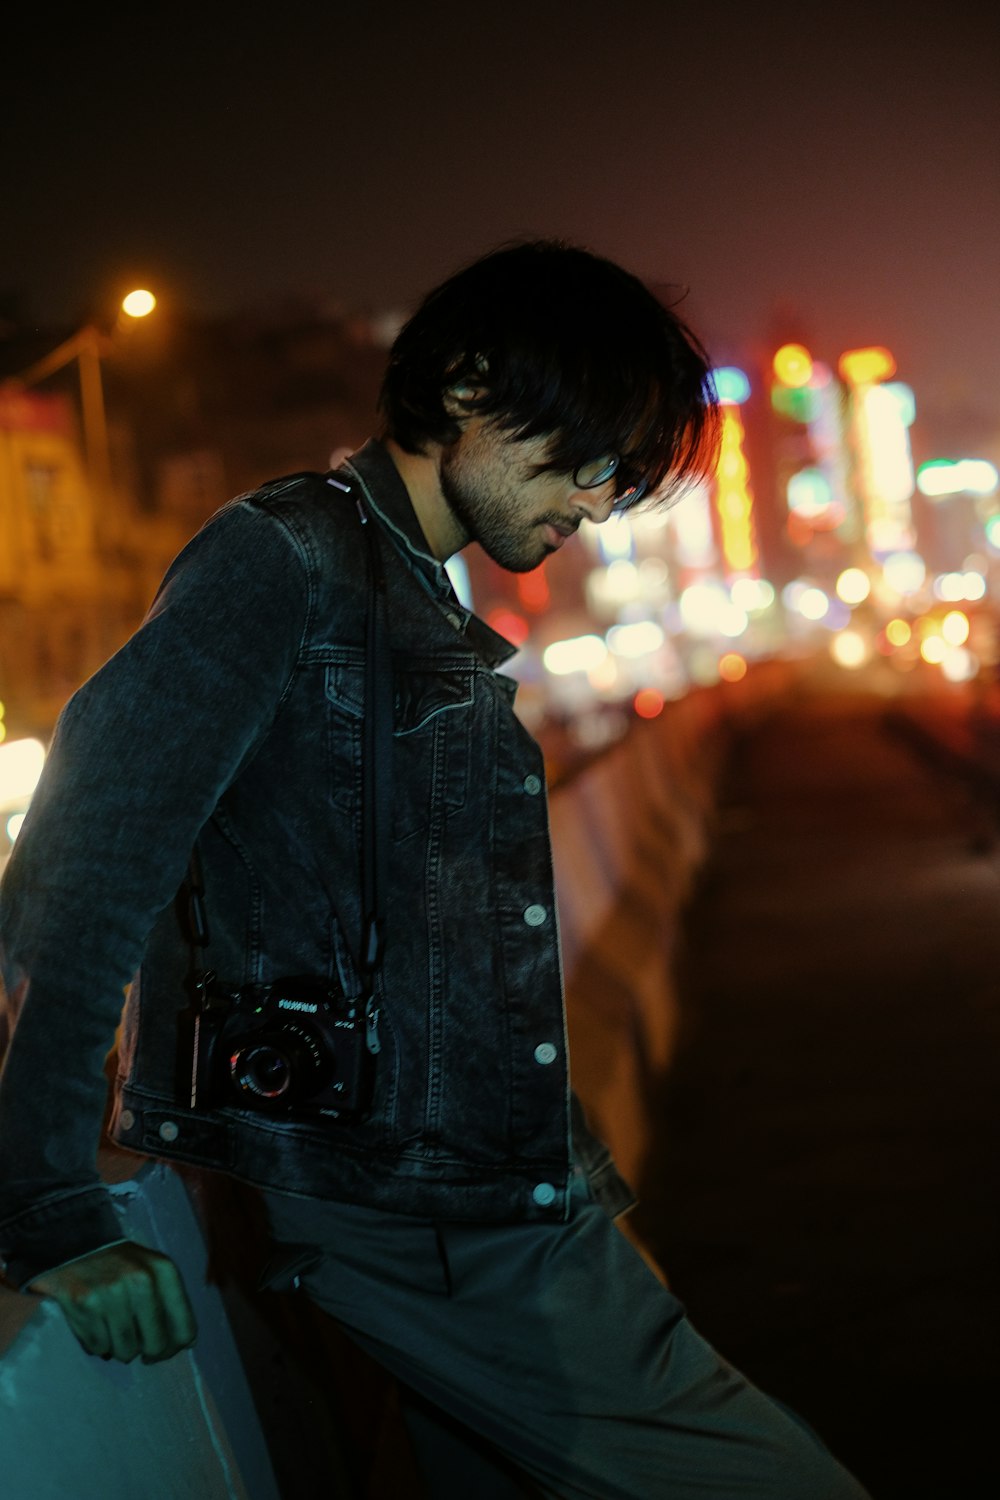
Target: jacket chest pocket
column 432, row 710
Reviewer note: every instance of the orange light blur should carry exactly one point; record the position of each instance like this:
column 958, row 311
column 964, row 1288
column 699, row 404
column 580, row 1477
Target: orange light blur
column 866, row 366
column 733, row 496
column 732, row 667
column 792, row 364
column 898, row 632
column 648, row 703
column 533, row 589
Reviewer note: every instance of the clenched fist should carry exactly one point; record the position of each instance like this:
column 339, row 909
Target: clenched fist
column 122, row 1301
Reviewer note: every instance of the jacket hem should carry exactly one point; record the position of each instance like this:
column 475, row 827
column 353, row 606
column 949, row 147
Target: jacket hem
column 311, row 1166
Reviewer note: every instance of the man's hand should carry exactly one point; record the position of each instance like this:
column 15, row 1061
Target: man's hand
column 123, row 1301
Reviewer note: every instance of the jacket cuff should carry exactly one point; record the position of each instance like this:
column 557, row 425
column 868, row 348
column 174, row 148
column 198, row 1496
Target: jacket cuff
column 61, row 1230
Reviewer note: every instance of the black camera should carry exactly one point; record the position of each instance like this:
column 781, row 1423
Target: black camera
column 296, row 1045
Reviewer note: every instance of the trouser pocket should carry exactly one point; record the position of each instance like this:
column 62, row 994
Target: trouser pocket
column 286, row 1265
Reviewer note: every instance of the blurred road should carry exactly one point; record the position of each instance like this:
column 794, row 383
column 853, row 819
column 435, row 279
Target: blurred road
column 824, row 1193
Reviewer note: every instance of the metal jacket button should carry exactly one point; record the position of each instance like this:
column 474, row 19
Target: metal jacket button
column 532, row 785
column 169, row 1131
column 535, row 915
column 544, row 1194
column 545, row 1053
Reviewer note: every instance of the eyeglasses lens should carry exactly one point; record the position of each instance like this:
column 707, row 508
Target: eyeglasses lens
column 594, row 473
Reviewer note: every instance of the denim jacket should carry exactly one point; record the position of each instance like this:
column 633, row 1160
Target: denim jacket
column 233, row 717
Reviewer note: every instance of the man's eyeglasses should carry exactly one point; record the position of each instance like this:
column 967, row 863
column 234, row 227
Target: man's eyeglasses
column 597, row 471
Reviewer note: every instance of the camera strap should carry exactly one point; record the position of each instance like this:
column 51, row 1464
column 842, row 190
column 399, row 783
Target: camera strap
column 376, row 793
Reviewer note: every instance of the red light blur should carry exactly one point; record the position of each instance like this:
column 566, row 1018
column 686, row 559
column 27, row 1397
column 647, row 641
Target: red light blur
column 799, row 529
column 514, row 627
column 533, row 589
column 648, row 703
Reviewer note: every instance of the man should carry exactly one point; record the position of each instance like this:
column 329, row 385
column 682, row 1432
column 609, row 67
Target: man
column 447, row 1205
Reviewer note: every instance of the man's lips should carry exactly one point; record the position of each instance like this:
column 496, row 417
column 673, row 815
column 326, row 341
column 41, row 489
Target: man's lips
column 556, row 535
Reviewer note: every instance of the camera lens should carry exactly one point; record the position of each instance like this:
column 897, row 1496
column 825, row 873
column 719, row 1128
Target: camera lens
column 262, row 1070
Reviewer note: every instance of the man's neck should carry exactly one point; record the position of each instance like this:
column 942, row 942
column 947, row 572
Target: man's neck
column 419, row 472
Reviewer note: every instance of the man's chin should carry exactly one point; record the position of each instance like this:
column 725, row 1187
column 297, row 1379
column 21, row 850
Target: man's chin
column 529, row 564
column 525, row 561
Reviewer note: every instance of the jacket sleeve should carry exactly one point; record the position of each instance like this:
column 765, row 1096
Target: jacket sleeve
column 140, row 756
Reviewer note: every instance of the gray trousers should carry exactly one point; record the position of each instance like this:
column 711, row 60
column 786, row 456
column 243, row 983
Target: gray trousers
column 547, row 1359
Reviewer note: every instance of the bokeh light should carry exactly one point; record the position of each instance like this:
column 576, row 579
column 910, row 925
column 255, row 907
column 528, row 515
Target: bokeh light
column 813, row 604
column 792, row 365
column 21, row 763
column 865, row 366
column 648, row 702
column 635, row 640
column 533, row 590
column 752, row 594
column 582, row 653
column 955, row 627
column 942, row 476
column 904, row 571
column 850, row 649
column 732, row 385
column 853, row 585
column 809, row 493
column 513, row 627
column 959, row 665
column 706, row 609
column 732, row 667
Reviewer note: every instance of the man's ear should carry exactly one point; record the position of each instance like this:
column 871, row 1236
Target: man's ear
column 457, row 397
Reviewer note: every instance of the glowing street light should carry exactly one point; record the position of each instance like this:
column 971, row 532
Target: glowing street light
column 138, row 304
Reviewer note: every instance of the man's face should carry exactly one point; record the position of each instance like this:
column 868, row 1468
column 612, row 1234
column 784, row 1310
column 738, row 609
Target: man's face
column 517, row 517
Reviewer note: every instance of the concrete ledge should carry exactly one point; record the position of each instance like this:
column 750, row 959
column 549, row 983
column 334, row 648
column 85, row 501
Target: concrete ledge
column 630, row 834
column 73, row 1427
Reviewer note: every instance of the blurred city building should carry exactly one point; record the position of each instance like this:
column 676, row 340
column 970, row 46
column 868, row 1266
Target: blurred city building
column 76, row 568
column 195, row 412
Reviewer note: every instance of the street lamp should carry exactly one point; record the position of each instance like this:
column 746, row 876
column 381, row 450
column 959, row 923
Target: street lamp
column 86, row 346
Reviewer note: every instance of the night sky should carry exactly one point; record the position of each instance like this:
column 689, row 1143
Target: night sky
column 820, row 169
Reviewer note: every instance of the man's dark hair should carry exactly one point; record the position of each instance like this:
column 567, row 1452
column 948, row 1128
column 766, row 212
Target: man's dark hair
column 556, row 341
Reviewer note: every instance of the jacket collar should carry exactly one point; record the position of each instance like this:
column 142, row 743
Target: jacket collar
column 372, row 467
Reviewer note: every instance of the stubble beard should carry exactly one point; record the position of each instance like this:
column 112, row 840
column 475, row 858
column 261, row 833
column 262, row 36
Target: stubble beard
column 488, row 514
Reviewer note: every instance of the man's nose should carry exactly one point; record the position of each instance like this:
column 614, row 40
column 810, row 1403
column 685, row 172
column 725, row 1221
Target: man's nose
column 596, row 505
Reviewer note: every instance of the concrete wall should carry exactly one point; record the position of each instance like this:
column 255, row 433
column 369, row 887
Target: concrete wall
column 630, row 834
